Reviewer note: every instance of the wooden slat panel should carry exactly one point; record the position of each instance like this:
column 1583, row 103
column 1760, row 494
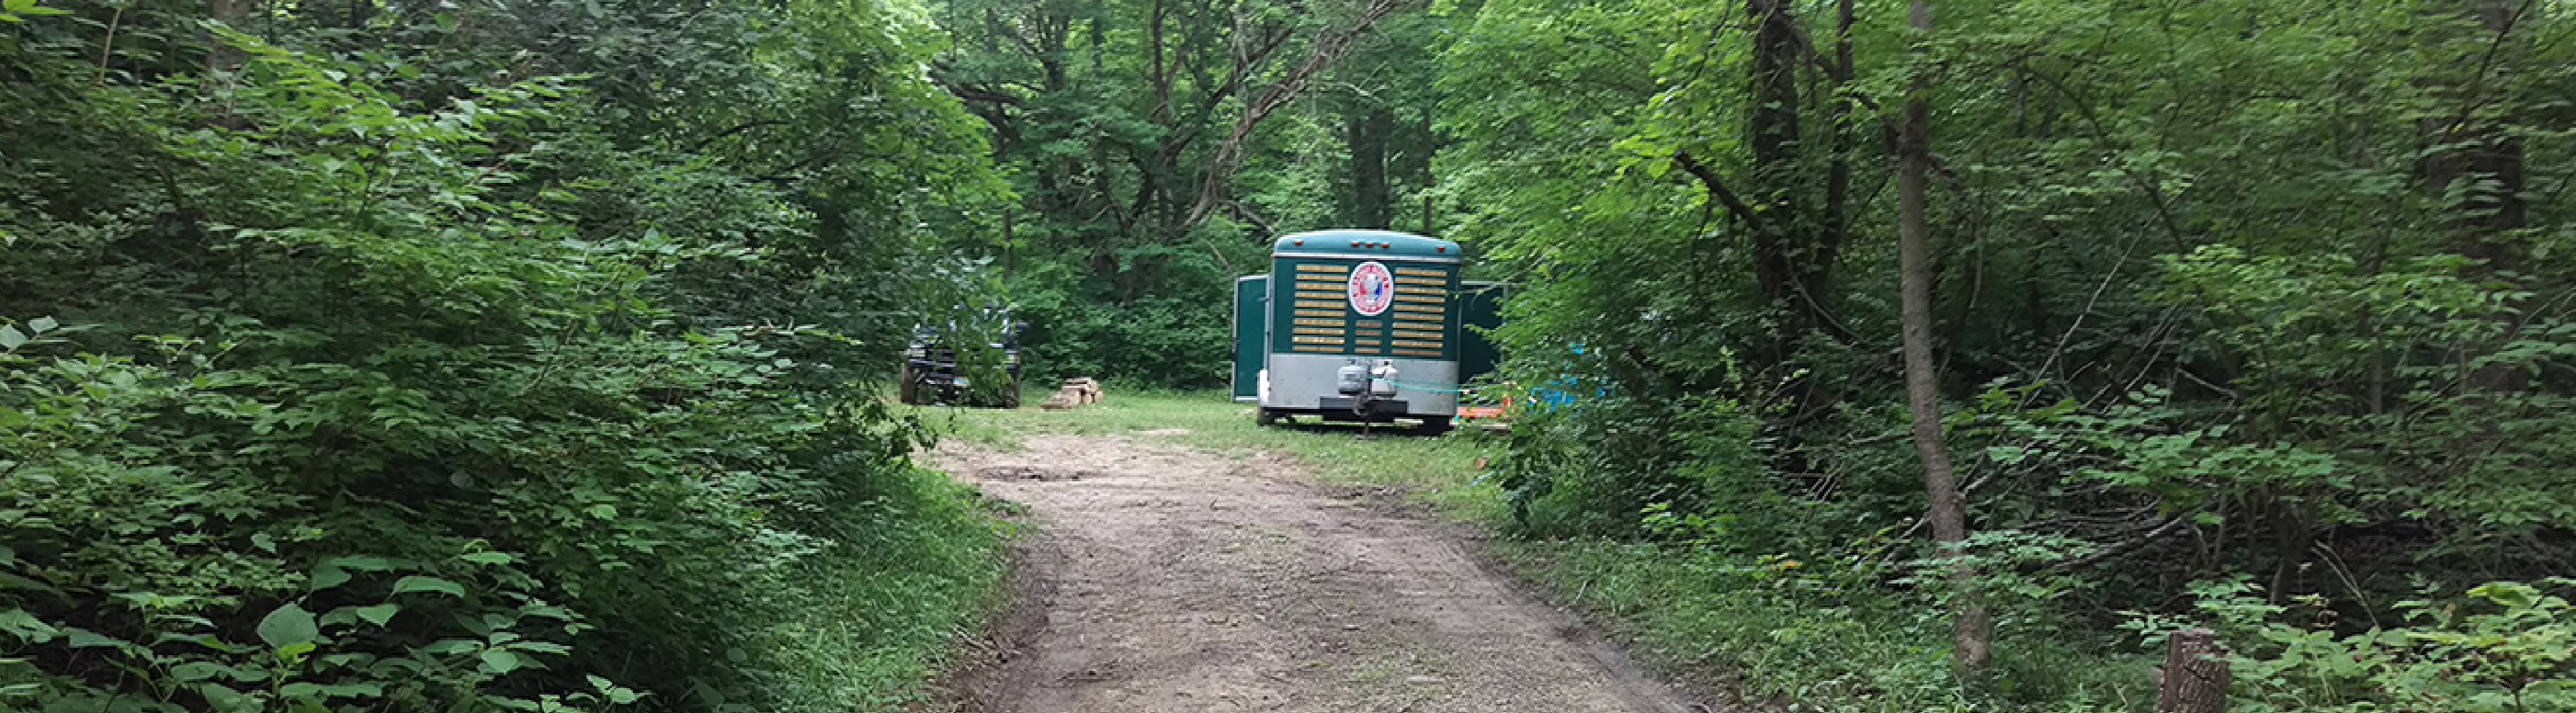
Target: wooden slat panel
column 1323, row 268
column 1419, row 272
column 1422, row 299
column 1315, row 340
column 1304, row 304
column 1412, row 343
column 1312, row 349
column 1412, row 334
column 1418, row 353
column 1334, row 323
column 1322, row 313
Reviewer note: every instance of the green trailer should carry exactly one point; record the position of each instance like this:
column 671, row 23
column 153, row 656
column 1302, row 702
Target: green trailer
column 1356, row 326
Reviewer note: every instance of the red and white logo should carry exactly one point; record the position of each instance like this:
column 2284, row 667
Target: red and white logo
column 1372, row 289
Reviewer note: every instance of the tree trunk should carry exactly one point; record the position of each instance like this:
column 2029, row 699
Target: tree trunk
column 1922, row 384
column 1369, row 132
column 1772, row 134
column 1430, row 148
column 2476, row 154
column 2194, row 679
column 222, row 57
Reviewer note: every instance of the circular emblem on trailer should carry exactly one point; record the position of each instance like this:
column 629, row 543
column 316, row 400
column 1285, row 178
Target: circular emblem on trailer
column 1372, row 289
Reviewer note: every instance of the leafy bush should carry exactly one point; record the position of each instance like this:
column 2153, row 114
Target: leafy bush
column 1596, row 467
column 2500, row 647
column 352, row 400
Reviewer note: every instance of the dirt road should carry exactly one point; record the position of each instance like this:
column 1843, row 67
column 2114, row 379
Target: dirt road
column 1171, row 579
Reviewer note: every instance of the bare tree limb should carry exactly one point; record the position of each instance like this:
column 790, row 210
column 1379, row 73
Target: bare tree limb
column 1717, row 189
column 1329, row 47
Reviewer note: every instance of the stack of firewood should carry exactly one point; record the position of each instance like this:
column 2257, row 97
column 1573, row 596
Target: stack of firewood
column 1076, row 392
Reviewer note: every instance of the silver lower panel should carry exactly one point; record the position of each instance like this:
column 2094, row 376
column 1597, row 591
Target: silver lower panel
column 1299, row 381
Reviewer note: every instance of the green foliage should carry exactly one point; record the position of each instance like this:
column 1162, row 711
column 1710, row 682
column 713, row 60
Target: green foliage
column 2252, row 288
column 1595, row 469
column 1107, row 117
column 2500, row 647
column 1820, row 634
column 423, row 360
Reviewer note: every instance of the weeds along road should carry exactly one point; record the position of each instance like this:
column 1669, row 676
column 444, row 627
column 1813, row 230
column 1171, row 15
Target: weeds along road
column 1171, row 577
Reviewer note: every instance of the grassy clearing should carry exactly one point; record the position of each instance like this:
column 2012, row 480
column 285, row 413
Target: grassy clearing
column 1440, row 471
column 1787, row 641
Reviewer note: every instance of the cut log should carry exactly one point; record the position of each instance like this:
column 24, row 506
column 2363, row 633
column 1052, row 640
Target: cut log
column 1062, row 400
column 2194, row 679
column 1085, row 390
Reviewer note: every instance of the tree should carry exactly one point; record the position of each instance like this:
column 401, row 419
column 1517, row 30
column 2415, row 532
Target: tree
column 1922, row 374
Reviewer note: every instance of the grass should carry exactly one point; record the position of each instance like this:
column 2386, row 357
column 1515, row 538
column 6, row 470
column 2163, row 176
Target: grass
column 1795, row 640
column 884, row 611
column 1440, row 471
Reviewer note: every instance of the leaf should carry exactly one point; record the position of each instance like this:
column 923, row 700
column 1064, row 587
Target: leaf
column 451, row 646
column 499, row 661
column 11, row 338
column 42, row 325
column 225, row 699
column 334, row 571
column 421, row 583
column 493, row 558
column 603, row 511
column 84, row 638
column 326, row 577
column 265, row 543
column 379, row 614
column 25, row 626
column 288, row 626
column 361, row 563
column 28, row 7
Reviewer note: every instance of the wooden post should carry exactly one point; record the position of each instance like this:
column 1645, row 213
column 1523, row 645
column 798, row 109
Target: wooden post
column 2195, row 674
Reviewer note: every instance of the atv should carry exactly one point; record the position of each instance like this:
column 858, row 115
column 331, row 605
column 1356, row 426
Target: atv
column 936, row 372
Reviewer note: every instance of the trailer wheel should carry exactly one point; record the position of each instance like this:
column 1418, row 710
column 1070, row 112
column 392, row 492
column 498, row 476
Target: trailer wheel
column 1264, row 417
column 907, row 388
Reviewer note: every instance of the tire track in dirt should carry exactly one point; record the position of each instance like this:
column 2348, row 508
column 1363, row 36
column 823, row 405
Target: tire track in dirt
column 1167, row 579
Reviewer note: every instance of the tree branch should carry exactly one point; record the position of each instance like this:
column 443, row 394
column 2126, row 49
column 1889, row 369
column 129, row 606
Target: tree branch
column 711, row 140
column 1329, row 47
column 1717, row 189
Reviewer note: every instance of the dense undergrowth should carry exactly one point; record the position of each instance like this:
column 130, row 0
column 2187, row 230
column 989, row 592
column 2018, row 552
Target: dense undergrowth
column 400, row 357
column 1859, row 626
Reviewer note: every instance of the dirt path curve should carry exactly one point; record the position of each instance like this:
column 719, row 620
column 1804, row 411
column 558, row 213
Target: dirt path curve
column 1171, row 579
